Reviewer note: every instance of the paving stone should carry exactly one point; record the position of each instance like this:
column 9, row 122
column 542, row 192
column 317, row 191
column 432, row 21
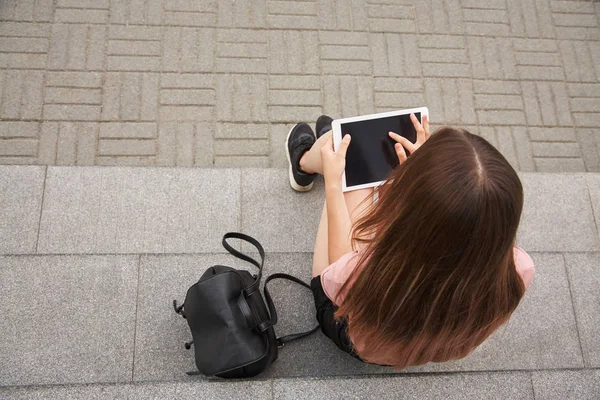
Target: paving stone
column 68, row 143
column 242, row 161
column 548, row 48
column 562, row 385
column 398, row 93
column 584, row 277
column 146, row 390
column 128, row 12
column 241, row 131
column 530, row 19
column 278, row 134
column 546, row 104
column 27, row 10
column 293, row 52
column 189, row 97
column 457, row 386
column 54, row 336
column 241, row 51
column 82, row 16
column 129, row 210
column 399, row 18
column 188, row 49
column 23, row 45
column 440, row 16
column 20, row 204
column 589, row 140
column 593, row 184
column 559, row 164
column 77, row 47
column 242, row 14
column 395, row 54
column 77, row 86
column 80, row 392
column 130, row 96
column 551, row 203
column 293, row 217
column 347, row 96
column 180, row 13
column 160, row 334
column 185, row 144
column 21, row 94
column 451, row 101
column 347, row 15
column 292, row 15
column 241, row 147
column 241, row 98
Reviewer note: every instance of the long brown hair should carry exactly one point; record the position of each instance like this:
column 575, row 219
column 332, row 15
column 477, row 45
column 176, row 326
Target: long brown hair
column 436, row 275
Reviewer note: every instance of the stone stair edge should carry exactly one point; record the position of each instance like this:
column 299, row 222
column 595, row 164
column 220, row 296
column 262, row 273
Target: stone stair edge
column 224, row 168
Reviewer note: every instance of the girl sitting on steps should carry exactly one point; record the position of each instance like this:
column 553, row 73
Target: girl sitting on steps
column 430, row 269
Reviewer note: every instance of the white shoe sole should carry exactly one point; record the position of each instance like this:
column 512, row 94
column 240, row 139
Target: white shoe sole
column 293, row 183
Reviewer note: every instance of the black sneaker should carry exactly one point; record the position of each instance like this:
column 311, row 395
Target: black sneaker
column 323, row 125
column 299, row 141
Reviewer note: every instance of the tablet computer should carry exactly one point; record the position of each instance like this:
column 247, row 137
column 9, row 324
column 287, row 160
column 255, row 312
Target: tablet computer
column 371, row 155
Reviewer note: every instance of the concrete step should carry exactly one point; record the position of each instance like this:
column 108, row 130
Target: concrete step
column 547, row 385
column 124, row 210
column 93, row 258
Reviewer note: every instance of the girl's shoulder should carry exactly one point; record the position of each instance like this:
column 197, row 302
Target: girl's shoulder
column 524, row 264
column 335, row 275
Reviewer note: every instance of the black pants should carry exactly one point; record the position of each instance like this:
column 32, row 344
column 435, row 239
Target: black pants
column 334, row 330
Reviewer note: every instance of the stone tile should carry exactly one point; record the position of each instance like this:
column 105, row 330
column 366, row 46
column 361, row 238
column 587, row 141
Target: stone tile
column 552, row 203
column 131, row 210
column 278, row 134
column 146, row 390
column 67, row 319
column 593, row 184
column 20, row 206
column 223, row 390
column 541, row 333
column 84, row 392
column 160, row 335
column 456, row 386
column 523, row 344
column 561, row 385
column 276, row 214
column 584, row 276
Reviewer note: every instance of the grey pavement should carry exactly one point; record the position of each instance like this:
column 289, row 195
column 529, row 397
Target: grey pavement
column 219, row 83
column 92, row 258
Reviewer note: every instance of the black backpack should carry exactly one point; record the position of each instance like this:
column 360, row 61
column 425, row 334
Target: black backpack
column 232, row 328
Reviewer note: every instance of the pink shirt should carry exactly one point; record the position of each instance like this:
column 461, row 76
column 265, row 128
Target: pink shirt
column 334, row 276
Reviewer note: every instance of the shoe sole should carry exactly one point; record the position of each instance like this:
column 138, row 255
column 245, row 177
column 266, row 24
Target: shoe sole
column 293, row 182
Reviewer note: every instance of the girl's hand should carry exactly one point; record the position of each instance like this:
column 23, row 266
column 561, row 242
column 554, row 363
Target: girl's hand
column 334, row 162
column 422, row 136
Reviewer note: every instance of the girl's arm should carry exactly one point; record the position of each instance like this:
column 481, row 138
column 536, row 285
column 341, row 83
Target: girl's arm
column 339, row 224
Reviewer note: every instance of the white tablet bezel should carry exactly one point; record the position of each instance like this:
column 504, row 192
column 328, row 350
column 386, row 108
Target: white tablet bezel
column 337, row 137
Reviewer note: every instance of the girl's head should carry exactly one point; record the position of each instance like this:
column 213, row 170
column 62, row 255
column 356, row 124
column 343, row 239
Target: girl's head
column 437, row 273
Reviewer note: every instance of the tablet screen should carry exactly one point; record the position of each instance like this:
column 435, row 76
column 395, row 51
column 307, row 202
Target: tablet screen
column 371, row 155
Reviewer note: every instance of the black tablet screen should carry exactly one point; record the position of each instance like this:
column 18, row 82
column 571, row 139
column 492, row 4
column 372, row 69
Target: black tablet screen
column 371, row 155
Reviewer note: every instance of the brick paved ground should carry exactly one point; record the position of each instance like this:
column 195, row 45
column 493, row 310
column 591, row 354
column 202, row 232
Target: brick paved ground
column 187, row 82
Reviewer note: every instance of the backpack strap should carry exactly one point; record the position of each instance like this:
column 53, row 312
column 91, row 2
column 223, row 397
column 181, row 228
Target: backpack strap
column 236, row 235
column 287, row 338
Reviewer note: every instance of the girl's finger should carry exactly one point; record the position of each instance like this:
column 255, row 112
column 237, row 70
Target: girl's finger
column 344, row 146
column 418, row 128
column 400, row 152
column 426, row 126
column 403, row 141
